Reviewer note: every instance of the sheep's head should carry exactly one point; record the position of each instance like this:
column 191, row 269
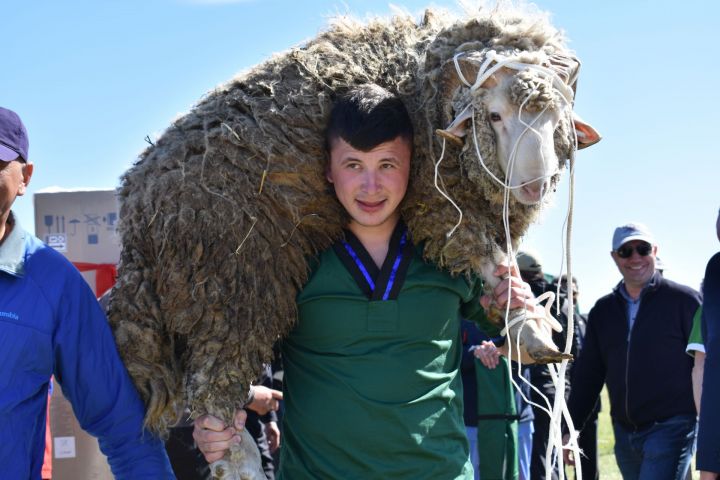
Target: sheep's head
column 506, row 111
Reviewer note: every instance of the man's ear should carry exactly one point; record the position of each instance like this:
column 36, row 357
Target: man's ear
column 27, row 171
column 328, row 176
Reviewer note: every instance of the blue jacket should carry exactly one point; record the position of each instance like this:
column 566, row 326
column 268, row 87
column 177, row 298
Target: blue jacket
column 708, row 441
column 51, row 323
column 646, row 370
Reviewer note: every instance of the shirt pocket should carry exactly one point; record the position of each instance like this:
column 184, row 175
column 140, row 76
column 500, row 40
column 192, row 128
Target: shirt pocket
column 26, row 359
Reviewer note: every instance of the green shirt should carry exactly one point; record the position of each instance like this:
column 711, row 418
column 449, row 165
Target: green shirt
column 372, row 389
column 695, row 342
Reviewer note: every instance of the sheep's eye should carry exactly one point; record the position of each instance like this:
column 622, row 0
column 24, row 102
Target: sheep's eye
column 495, row 117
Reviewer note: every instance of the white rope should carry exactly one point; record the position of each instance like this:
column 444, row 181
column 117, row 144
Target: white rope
column 512, row 62
column 447, row 197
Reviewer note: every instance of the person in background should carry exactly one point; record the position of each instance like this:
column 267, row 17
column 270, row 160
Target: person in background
column 497, row 426
column 487, row 355
column 471, row 336
column 635, row 344
column 659, row 266
column 526, row 419
column 52, row 324
column 261, row 422
column 708, row 442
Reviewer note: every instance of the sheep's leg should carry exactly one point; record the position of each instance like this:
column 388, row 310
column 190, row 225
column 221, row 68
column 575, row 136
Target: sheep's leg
column 534, row 338
column 242, row 462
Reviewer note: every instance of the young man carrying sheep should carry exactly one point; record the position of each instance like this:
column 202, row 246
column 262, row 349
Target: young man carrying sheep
column 372, row 388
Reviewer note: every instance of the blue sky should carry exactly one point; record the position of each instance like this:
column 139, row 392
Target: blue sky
column 91, row 79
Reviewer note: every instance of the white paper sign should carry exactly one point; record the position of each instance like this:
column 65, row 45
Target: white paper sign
column 64, row 447
column 58, row 241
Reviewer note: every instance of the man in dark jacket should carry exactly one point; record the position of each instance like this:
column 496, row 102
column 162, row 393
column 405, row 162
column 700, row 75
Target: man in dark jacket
column 635, row 344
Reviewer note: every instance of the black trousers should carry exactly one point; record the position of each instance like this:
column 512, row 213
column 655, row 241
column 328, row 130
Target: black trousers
column 187, row 461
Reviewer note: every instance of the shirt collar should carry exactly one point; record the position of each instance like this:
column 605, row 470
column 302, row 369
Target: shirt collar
column 652, row 284
column 12, row 251
column 623, row 291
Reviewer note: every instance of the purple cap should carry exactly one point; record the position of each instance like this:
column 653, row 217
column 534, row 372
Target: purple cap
column 14, row 142
column 629, row 232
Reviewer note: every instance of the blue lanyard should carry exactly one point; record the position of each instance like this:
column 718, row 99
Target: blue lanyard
column 366, row 274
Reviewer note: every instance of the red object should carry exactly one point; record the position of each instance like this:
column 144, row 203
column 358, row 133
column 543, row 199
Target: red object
column 105, row 275
column 47, row 460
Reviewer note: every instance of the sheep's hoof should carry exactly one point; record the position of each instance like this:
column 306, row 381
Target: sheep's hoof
column 548, row 355
column 241, row 462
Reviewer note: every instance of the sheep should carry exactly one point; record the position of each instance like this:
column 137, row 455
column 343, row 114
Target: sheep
column 220, row 215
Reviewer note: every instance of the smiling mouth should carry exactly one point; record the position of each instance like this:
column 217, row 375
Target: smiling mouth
column 370, row 206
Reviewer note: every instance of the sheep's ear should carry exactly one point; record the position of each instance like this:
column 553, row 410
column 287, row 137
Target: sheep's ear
column 586, row 134
column 458, row 128
column 491, row 82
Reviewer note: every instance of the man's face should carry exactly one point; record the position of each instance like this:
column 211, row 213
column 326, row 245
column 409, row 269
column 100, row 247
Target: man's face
column 14, row 177
column 636, row 269
column 370, row 185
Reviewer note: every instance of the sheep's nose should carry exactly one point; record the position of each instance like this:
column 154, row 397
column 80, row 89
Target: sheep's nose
column 535, row 190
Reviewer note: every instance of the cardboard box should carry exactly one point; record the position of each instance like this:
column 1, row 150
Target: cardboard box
column 76, row 454
column 80, row 224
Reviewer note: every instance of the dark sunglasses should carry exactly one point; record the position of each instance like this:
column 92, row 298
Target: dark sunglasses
column 642, row 249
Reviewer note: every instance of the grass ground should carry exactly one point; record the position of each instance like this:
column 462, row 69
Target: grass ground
column 608, row 468
column 606, row 440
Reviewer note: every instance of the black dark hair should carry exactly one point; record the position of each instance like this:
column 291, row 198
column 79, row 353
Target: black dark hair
column 367, row 116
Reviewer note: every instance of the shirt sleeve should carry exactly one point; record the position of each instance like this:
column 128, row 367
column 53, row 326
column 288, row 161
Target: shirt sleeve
column 695, row 342
column 95, row 381
column 473, row 311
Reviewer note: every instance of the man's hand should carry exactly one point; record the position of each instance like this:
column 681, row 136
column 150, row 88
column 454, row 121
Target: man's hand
column 214, row 438
column 511, row 287
column 709, row 475
column 488, row 354
column 272, row 432
column 264, row 399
